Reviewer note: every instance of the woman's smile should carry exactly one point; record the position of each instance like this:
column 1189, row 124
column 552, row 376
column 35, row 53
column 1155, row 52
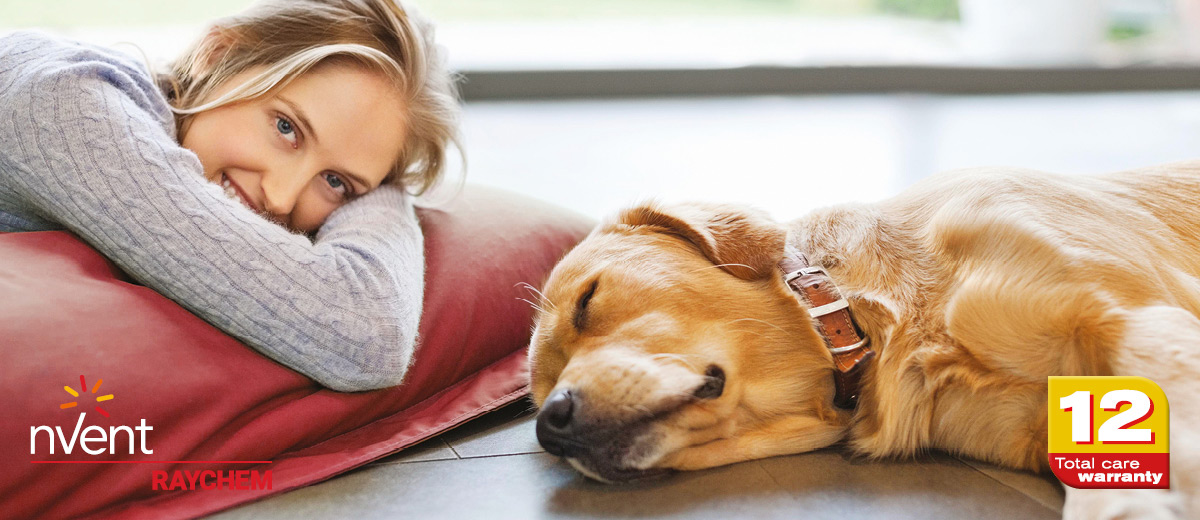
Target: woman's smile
column 235, row 192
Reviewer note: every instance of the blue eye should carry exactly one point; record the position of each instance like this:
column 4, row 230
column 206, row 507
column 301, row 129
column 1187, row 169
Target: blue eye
column 286, row 129
column 335, row 182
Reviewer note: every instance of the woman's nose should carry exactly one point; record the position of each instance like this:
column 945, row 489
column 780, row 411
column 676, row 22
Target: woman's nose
column 281, row 190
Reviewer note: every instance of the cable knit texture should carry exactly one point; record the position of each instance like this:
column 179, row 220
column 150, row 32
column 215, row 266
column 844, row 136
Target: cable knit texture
column 87, row 144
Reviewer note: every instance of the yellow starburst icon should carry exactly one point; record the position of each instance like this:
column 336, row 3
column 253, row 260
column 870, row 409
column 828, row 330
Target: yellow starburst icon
column 83, row 389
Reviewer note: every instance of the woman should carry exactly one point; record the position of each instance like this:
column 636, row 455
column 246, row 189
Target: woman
column 264, row 183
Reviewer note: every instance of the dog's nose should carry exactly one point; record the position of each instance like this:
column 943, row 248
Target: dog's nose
column 554, row 423
column 558, row 409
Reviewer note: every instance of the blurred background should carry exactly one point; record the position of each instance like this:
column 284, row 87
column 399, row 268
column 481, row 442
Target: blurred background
column 781, row 104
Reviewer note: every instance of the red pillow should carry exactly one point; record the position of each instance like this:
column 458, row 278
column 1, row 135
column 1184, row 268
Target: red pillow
column 68, row 319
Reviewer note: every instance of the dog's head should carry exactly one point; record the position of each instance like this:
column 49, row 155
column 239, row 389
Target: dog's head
column 670, row 330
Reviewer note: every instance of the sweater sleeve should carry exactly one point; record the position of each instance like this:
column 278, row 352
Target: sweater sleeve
column 86, row 141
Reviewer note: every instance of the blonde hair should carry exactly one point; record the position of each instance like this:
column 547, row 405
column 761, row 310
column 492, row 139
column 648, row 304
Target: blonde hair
column 290, row 37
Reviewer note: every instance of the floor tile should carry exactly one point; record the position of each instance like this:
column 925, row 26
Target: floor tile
column 735, row 491
column 523, row 487
column 1044, row 489
column 828, row 485
column 432, row 449
column 507, row 431
column 820, row 485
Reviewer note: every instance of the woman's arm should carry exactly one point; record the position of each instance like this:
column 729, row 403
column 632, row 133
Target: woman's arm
column 85, row 140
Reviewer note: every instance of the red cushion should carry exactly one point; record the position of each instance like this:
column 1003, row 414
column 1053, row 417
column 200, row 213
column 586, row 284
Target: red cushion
column 65, row 311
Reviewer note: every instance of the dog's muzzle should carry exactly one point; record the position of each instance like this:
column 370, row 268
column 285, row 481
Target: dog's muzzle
column 597, row 450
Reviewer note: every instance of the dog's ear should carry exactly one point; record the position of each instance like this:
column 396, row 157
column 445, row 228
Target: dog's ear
column 745, row 242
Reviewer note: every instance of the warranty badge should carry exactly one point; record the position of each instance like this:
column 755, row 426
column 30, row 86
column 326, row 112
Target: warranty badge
column 1108, row 433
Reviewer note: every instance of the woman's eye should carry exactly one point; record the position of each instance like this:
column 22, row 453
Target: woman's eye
column 286, row 129
column 337, row 184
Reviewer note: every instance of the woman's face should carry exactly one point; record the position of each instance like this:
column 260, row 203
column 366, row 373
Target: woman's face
column 296, row 155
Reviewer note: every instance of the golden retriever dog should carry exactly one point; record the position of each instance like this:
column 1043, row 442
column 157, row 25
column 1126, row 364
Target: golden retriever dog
column 672, row 339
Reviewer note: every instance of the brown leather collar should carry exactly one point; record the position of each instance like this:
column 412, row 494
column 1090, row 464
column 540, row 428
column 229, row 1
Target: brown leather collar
column 850, row 349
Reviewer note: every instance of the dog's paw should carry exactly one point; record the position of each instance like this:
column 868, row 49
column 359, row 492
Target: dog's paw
column 1122, row 504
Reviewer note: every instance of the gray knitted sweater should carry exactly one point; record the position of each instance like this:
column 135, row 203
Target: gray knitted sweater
column 87, row 144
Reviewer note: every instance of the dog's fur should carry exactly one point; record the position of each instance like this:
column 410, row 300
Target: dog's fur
column 973, row 287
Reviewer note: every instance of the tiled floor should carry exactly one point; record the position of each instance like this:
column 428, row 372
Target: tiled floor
column 596, row 156
column 494, row 468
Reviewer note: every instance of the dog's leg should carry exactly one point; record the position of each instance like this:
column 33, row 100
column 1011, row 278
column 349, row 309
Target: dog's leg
column 1162, row 344
column 783, row 436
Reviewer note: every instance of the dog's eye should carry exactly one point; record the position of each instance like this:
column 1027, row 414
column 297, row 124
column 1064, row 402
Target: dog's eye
column 580, row 318
column 714, row 384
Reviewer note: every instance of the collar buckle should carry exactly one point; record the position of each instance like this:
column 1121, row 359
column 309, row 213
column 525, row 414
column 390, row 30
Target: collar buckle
column 850, row 349
column 805, row 271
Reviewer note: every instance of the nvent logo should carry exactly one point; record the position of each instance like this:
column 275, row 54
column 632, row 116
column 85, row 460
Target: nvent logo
column 94, row 440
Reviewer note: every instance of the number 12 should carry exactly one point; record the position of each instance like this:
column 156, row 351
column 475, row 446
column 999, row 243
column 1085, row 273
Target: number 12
column 1116, row 429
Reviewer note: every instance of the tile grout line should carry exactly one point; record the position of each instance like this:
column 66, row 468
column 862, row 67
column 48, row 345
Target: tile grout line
column 452, row 450
column 476, row 457
column 770, row 475
column 494, row 455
